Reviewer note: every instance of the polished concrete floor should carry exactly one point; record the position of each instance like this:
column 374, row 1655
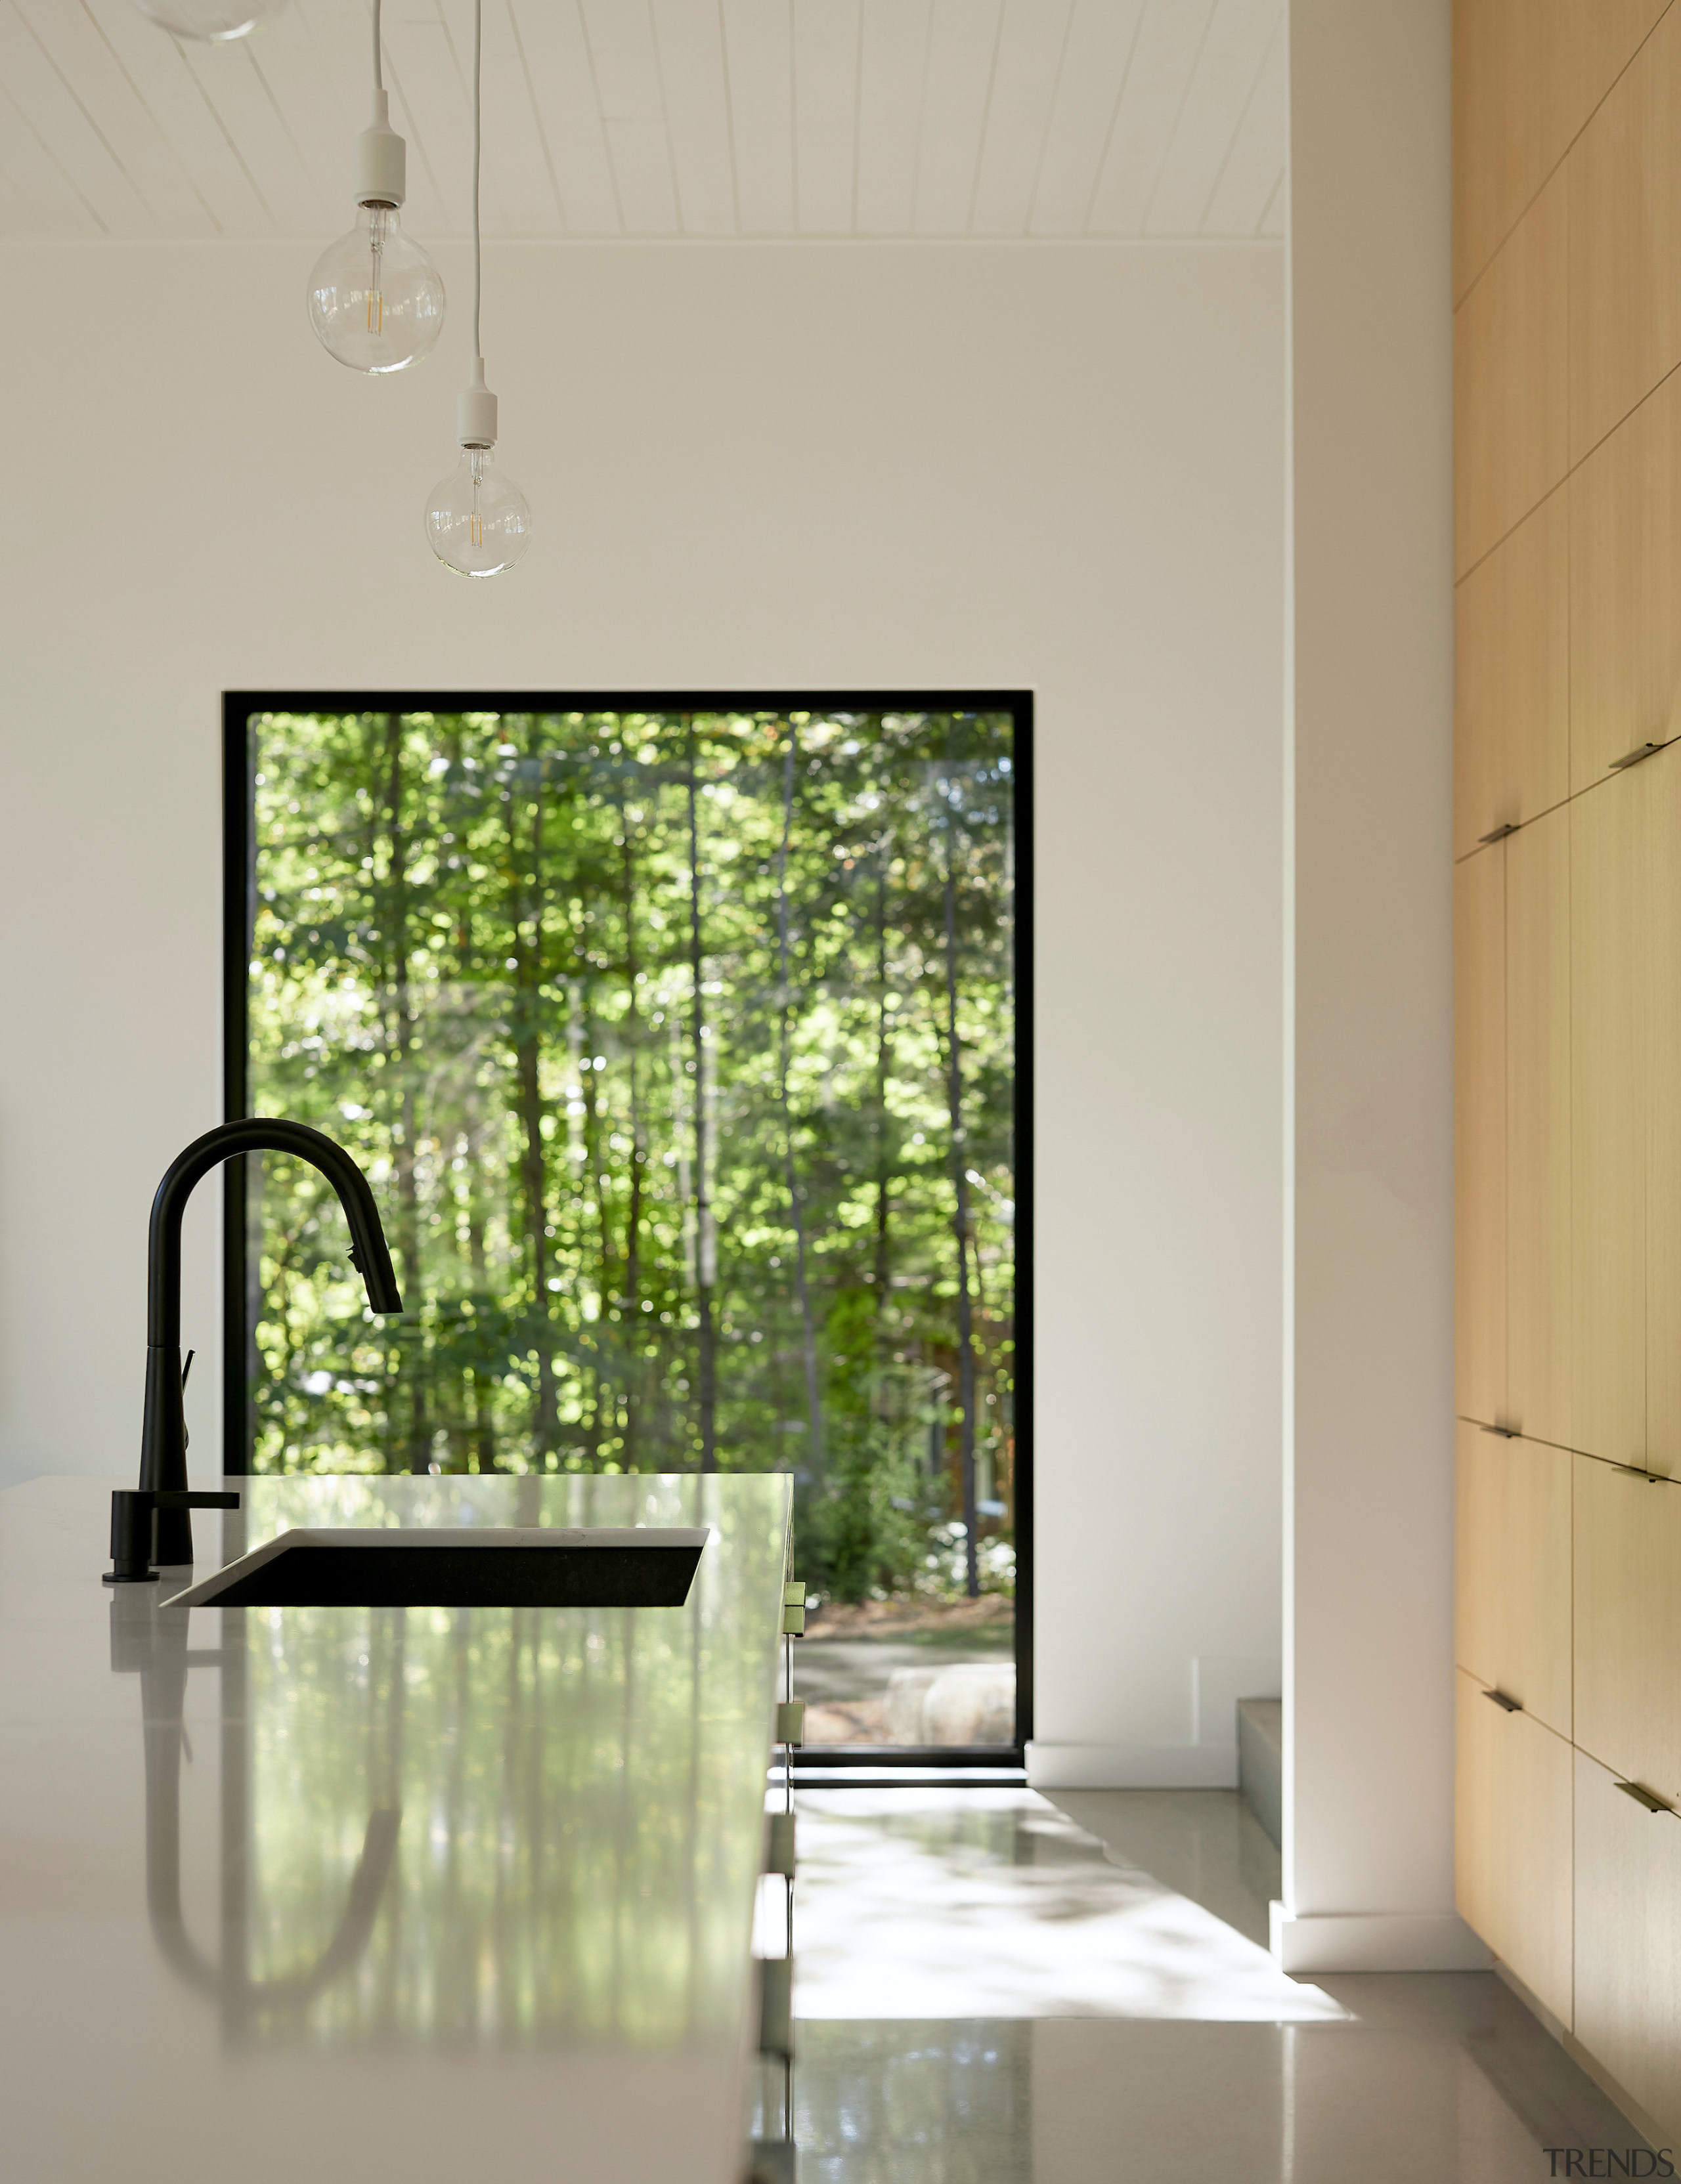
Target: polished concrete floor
column 993, row 1988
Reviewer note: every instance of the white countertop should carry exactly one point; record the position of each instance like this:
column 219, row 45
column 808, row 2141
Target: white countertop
column 321, row 1893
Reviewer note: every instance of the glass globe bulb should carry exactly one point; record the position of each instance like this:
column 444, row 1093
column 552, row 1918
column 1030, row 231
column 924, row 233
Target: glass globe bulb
column 477, row 521
column 213, row 19
column 375, row 299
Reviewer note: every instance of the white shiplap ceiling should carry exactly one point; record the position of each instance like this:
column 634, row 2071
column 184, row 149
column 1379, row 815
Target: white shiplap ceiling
column 703, row 118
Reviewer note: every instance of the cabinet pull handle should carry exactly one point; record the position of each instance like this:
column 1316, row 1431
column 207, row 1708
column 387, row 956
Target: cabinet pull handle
column 1505, row 1702
column 1643, row 1797
column 1634, row 756
column 1497, row 833
column 1502, row 1433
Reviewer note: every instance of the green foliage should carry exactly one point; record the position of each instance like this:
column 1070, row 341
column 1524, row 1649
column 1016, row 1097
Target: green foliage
column 639, row 1024
column 862, row 1526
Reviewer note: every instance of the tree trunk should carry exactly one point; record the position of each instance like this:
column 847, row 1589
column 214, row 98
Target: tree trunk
column 477, row 1394
column 796, row 1211
column 602, row 1400
column 883, row 1062
column 705, row 1245
column 533, row 1178
column 954, row 1093
column 401, row 1040
column 632, row 1294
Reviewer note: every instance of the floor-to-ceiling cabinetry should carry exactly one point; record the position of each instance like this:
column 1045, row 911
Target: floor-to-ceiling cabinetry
column 1567, row 918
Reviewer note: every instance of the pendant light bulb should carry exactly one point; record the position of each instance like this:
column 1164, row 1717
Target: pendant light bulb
column 375, row 299
column 477, row 520
column 214, row 21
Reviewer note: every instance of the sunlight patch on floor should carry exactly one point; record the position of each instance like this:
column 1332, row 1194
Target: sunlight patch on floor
column 917, row 1903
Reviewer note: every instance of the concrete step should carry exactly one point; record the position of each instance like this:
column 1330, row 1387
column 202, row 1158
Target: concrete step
column 1261, row 1762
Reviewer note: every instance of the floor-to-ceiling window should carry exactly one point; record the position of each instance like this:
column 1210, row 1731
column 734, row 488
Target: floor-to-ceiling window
column 679, row 1040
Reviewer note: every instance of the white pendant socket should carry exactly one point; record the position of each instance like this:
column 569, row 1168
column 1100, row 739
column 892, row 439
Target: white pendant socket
column 476, row 411
column 382, row 160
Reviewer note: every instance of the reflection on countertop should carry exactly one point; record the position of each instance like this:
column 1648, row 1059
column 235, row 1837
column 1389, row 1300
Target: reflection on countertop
column 516, row 1845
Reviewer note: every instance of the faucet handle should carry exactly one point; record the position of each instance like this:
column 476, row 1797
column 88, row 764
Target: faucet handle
column 134, row 1527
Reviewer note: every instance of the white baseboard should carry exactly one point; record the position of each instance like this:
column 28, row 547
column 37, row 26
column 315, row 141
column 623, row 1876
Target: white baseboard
column 1131, row 1766
column 1376, row 1941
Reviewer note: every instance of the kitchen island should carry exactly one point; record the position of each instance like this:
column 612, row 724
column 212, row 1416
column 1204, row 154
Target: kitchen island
column 314, row 1893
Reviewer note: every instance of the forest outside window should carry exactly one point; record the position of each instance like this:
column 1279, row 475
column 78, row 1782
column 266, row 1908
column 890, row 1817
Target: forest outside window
column 680, row 1044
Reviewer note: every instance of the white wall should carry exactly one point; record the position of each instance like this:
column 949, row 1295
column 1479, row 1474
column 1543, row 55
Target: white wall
column 1054, row 467
column 1368, row 1842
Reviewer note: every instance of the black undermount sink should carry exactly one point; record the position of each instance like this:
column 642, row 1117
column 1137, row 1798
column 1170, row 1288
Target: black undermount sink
column 473, row 1567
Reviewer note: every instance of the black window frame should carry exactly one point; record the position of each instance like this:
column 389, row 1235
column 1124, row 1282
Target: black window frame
column 992, row 1764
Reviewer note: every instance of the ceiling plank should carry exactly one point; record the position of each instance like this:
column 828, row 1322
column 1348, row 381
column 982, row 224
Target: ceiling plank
column 689, row 40
column 759, row 56
column 557, row 56
column 526, row 185
column 61, row 120
column 1219, row 97
column 239, row 97
column 290, row 64
column 826, row 39
column 892, row 74
column 1030, row 45
column 626, row 62
column 48, row 192
column 1255, row 157
column 1165, row 64
column 627, row 71
column 962, row 51
column 155, row 65
column 104, row 88
column 1089, row 85
column 641, row 155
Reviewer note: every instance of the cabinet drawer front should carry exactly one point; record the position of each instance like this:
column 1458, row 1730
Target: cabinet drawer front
column 1512, row 1826
column 1514, row 1570
column 1512, row 679
column 1609, row 1020
column 1627, row 1624
column 1537, row 1130
column 1480, row 1135
column 1629, row 1940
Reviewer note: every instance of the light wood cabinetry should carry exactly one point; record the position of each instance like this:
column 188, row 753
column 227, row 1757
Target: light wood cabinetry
column 1625, row 241
column 1566, row 837
column 1513, row 1581
column 1537, row 1129
column 1512, row 1821
column 1625, row 590
column 1512, row 679
column 1510, row 380
column 1607, row 1124
column 1625, row 1121
column 1527, row 74
column 1661, row 913
column 1627, row 1969
column 1479, row 1106
column 1627, row 1624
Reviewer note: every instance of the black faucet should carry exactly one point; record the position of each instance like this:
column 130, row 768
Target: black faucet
column 155, row 1525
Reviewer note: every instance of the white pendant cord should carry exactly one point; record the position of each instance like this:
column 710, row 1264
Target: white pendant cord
column 477, row 45
column 378, row 69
